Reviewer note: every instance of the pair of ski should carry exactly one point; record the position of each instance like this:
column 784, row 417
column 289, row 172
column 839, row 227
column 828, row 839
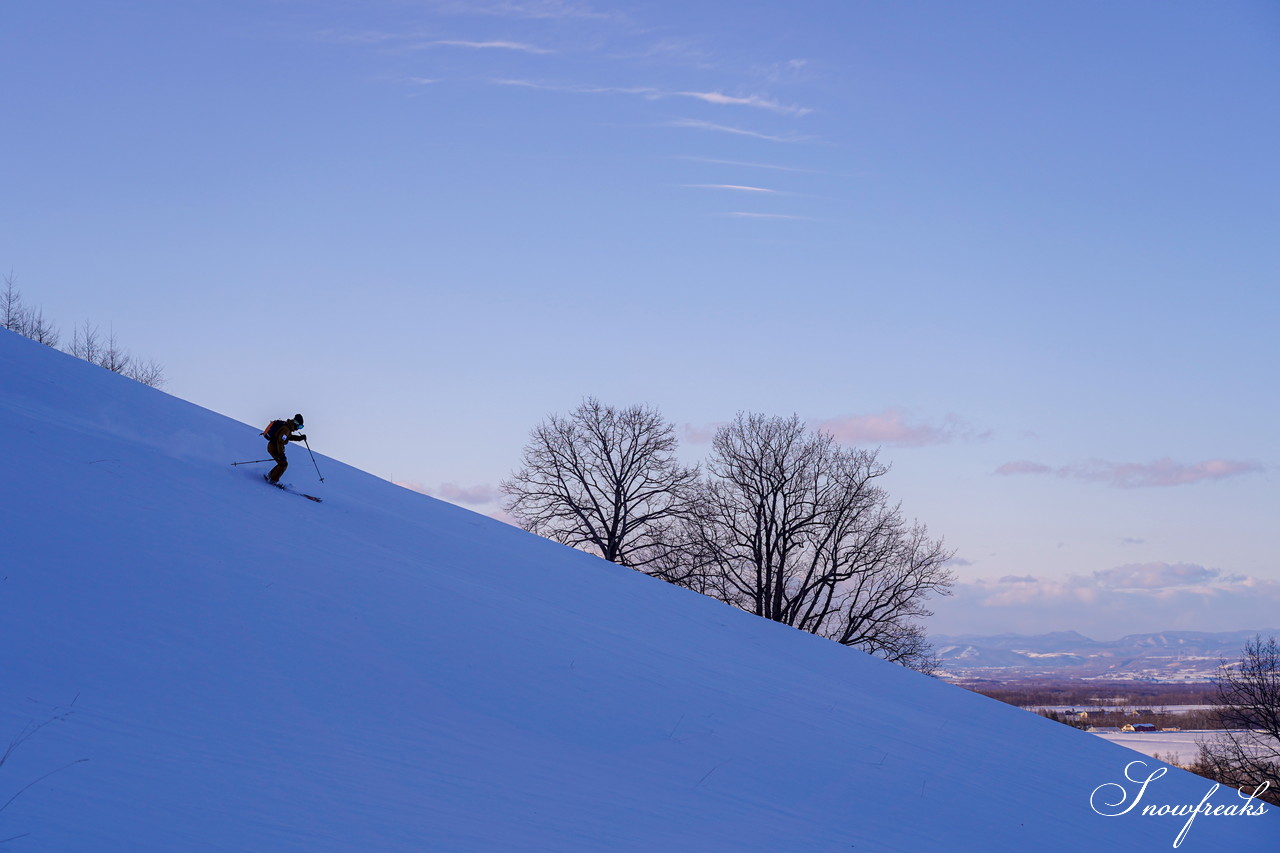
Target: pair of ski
column 282, row 487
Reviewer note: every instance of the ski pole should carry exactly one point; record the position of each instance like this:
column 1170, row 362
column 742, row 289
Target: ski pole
column 313, row 459
column 252, row 461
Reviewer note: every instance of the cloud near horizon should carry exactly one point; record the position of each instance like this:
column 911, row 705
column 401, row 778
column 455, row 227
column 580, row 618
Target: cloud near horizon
column 479, row 495
column 1133, row 475
column 1126, row 599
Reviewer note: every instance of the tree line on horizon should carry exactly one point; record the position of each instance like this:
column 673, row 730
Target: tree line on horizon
column 87, row 341
column 782, row 521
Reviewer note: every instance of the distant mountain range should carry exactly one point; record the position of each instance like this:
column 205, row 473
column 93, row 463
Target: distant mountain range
column 1167, row 656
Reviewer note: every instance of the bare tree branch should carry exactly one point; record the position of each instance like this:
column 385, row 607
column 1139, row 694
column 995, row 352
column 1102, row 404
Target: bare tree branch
column 1247, row 752
column 792, row 527
column 602, row 479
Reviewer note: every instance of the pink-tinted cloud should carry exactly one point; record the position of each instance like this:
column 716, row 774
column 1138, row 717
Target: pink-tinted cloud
column 1155, row 576
column 1111, row 602
column 1023, row 467
column 1162, row 472
column 892, row 427
column 453, row 493
column 470, row 495
column 700, row 433
column 503, row 516
column 1134, row 475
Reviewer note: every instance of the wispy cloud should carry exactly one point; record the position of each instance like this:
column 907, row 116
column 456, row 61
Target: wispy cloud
column 366, row 37
column 737, row 187
column 1161, row 473
column 892, row 427
column 741, row 163
column 489, row 45
column 788, row 71
column 670, row 51
column 653, row 94
column 748, row 101
column 530, row 9
column 744, row 214
column 643, row 91
column 699, row 124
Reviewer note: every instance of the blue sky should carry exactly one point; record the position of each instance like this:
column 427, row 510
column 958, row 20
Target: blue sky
column 1026, row 249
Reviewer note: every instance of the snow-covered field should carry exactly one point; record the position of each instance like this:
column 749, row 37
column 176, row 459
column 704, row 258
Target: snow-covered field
column 1183, row 746
column 220, row 666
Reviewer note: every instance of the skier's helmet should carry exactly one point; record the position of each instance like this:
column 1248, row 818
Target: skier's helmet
column 297, row 419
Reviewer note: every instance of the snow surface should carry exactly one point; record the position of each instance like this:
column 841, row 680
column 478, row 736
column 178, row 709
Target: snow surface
column 245, row 670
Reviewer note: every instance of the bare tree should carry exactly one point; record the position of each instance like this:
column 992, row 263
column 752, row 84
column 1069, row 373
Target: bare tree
column 40, row 330
column 150, row 373
column 12, row 312
column 604, row 479
column 114, row 357
column 1247, row 752
column 792, row 527
column 86, row 343
column 18, row 317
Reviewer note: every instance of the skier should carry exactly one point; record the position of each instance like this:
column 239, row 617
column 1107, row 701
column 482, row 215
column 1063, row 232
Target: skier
column 278, row 434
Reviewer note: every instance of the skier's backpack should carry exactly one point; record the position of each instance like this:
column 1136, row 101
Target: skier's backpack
column 273, row 430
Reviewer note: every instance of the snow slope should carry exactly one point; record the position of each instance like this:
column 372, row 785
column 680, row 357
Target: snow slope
column 245, row 670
